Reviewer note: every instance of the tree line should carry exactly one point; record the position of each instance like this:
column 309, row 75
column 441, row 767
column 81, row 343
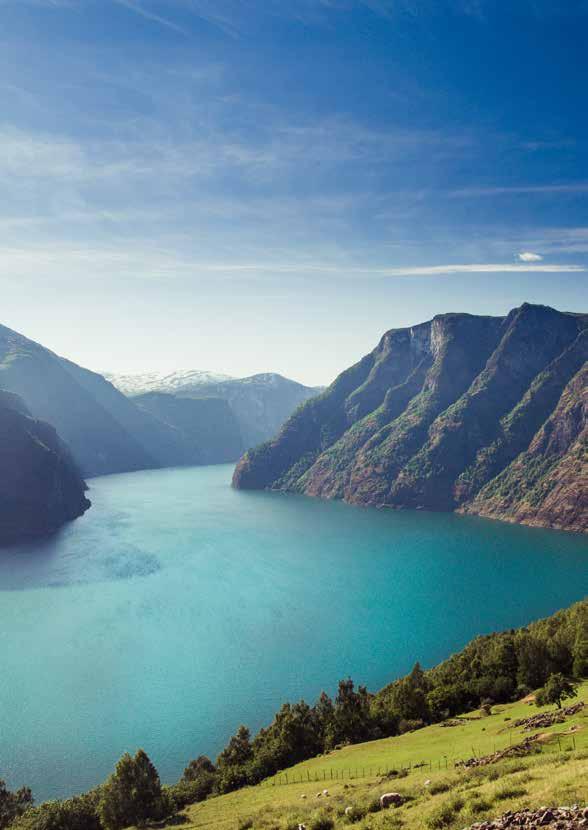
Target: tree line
column 548, row 655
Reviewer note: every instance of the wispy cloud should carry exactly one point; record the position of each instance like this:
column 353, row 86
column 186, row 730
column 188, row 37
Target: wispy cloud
column 142, row 11
column 152, row 262
column 523, row 190
column 529, row 256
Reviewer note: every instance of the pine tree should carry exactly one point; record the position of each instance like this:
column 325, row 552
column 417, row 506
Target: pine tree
column 132, row 794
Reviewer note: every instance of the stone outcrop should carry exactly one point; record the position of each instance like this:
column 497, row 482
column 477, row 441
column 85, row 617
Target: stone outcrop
column 562, row 818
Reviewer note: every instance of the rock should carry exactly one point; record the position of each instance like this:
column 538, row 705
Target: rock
column 560, row 818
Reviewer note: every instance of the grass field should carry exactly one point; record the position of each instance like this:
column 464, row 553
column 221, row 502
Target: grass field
column 556, row 774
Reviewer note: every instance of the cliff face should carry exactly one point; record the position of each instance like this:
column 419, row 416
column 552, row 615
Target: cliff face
column 439, row 412
column 40, row 486
column 547, row 484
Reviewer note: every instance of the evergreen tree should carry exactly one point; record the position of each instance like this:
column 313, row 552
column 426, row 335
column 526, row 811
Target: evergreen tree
column 132, row 794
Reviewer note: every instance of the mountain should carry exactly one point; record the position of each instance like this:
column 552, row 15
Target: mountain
column 40, row 486
column 207, row 425
column 170, row 382
column 105, row 431
column 261, row 403
column 478, row 414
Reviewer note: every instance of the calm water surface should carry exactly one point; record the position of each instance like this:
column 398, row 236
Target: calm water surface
column 178, row 608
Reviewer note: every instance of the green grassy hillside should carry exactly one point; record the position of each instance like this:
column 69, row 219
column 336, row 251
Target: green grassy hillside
column 556, row 772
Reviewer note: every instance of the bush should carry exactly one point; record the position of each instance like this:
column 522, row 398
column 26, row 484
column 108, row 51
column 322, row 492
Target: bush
column 244, row 824
column 78, row 813
column 356, row 813
column 14, row 804
column 410, row 725
column 437, row 787
column 190, row 792
column 479, row 805
column 374, row 806
column 444, row 815
column 321, row 823
column 509, row 791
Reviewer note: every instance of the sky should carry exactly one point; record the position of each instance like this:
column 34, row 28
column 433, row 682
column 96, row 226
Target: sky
column 269, row 185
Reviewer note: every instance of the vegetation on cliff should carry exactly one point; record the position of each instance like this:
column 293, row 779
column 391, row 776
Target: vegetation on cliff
column 442, row 416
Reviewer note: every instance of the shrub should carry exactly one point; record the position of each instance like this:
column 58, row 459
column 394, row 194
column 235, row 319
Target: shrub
column 244, row 824
column 321, row 822
column 444, row 815
column 479, row 805
column 14, row 804
column 356, row 813
column 190, row 792
column 374, row 806
column 509, row 791
column 437, row 787
column 78, row 813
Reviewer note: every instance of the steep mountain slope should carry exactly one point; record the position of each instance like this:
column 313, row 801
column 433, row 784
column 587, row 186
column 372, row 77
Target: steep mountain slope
column 40, row 486
column 434, row 414
column 548, row 484
column 261, row 403
column 105, row 431
column 207, row 426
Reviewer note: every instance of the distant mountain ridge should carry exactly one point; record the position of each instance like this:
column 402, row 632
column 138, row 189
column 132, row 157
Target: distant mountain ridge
column 213, row 420
column 260, row 403
column 168, row 382
column 437, row 417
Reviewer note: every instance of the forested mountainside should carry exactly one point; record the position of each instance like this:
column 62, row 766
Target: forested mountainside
column 260, row 403
column 40, row 486
column 478, row 414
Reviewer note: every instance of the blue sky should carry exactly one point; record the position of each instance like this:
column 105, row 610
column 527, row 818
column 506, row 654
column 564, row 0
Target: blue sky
column 248, row 185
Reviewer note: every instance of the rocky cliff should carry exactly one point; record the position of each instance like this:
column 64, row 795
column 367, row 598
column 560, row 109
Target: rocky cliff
column 439, row 415
column 40, row 486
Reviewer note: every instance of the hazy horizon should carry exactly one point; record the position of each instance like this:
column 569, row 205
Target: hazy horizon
column 302, row 376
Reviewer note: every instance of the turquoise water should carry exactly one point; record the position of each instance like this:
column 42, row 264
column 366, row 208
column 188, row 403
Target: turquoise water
column 178, row 608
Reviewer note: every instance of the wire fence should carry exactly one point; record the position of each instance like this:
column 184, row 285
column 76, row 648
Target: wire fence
column 338, row 773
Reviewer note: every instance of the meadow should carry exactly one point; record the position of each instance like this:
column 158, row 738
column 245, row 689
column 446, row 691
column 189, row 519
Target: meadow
column 555, row 773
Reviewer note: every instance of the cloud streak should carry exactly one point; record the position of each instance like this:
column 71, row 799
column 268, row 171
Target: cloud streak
column 519, row 190
column 135, row 7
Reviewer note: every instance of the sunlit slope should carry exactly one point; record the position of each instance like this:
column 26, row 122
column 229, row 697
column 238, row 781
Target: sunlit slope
column 556, row 774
